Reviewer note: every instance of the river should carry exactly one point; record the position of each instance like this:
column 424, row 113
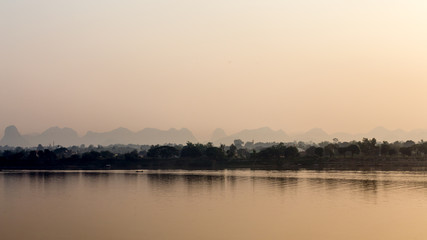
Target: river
column 237, row 204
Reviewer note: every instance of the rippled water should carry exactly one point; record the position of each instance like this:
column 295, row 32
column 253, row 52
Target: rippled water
column 212, row 205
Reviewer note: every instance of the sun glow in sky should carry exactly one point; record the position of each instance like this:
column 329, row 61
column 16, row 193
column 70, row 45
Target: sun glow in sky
column 292, row 65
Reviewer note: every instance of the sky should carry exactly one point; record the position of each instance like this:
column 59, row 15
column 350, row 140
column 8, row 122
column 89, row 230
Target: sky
column 344, row 66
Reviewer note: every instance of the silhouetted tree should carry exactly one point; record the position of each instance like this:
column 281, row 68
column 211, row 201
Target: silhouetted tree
column 330, row 150
column 238, row 143
column 422, row 147
column 249, row 144
column 7, row 153
column 291, row 152
column 162, row 152
column 33, row 156
column 131, row 155
column 231, row 152
column 385, row 148
column 409, row 143
column 107, row 155
column 368, row 147
column 40, row 147
column 406, row 151
column 92, row 155
column 60, row 152
column 311, row 151
column 215, row 153
column 279, row 151
column 318, row 151
column 191, row 150
column 243, row 153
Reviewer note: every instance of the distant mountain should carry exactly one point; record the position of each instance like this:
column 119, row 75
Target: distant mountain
column 156, row 136
column 313, row 135
column 264, row 134
column 13, row 138
column 383, row 134
column 417, row 134
column 217, row 134
column 150, row 136
column 67, row 137
column 116, row 136
column 343, row 137
column 318, row 135
column 55, row 135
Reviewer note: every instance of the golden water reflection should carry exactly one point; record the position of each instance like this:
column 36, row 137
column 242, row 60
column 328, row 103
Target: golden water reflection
column 212, row 205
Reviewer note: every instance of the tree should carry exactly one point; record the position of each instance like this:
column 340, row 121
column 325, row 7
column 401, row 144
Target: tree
column 407, row 151
column 107, row 155
column 131, row 155
column 60, row 152
column 238, row 143
column 354, row 149
column 291, row 152
column 409, row 143
column 368, row 147
column 330, row 150
column 318, row 151
column 40, row 147
column 162, row 152
column 231, row 152
column 243, row 153
column 422, row 147
column 215, row 153
column 249, row 144
column 92, row 155
column 310, row 151
column 191, row 150
column 385, row 148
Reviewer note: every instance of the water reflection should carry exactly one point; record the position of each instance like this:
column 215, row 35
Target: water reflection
column 195, row 204
column 364, row 182
column 369, row 185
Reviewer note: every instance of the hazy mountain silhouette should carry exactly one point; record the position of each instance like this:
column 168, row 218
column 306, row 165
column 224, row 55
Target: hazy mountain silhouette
column 116, row 136
column 264, row 134
column 418, row 134
column 68, row 137
column 151, row 136
column 381, row 133
column 312, row 135
column 55, row 135
column 318, row 135
column 217, row 134
column 342, row 136
column 13, row 138
column 156, row 136
column 148, row 136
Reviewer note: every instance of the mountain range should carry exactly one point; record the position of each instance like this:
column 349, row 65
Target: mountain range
column 152, row 136
column 69, row 137
column 316, row 135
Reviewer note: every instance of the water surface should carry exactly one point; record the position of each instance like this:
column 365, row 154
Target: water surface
column 212, row 205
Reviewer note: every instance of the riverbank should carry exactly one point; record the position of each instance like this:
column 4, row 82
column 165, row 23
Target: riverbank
column 353, row 164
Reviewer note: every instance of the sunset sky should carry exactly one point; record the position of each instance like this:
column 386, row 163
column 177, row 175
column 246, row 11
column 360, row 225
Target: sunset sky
column 292, row 65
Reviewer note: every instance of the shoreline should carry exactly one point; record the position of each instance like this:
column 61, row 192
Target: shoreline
column 333, row 164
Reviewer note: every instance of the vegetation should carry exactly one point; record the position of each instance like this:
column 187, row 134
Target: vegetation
column 294, row 155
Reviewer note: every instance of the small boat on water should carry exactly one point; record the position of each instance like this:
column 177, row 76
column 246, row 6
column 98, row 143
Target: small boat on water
column 139, row 171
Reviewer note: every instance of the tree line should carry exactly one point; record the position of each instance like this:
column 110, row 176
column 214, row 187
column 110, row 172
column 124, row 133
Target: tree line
column 208, row 153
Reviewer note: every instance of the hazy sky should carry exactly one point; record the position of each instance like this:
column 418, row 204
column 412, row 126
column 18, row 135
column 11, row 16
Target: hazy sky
column 292, row 65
